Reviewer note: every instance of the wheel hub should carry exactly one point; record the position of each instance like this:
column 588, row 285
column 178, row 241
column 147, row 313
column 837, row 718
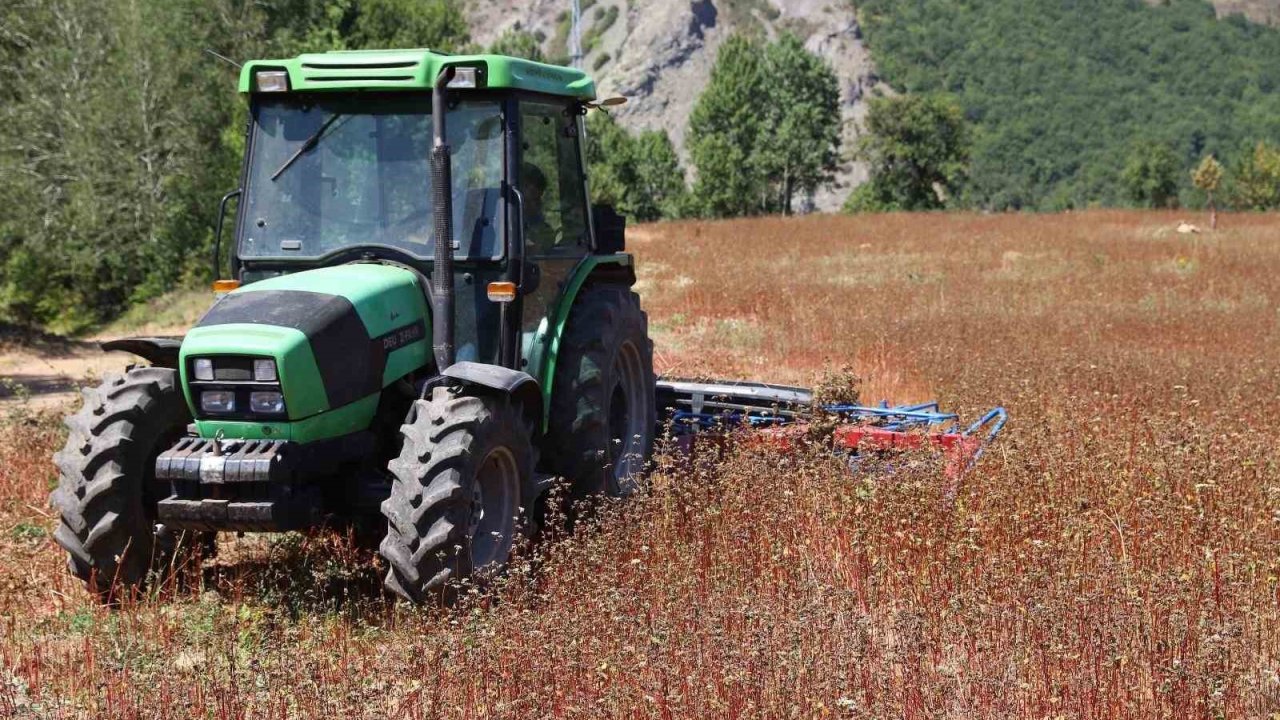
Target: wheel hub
column 491, row 520
column 626, row 424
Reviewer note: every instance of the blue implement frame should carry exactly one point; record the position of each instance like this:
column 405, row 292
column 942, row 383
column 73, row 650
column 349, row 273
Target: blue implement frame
column 692, row 405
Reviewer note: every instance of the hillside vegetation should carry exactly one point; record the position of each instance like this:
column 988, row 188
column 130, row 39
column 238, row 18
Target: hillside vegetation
column 118, row 134
column 1062, row 93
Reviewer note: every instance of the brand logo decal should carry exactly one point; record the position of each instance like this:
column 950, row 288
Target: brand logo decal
column 402, row 336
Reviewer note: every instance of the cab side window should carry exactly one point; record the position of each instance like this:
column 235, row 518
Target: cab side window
column 551, row 182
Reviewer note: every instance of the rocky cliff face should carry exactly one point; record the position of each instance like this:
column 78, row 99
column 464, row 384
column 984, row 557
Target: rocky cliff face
column 1259, row 11
column 659, row 53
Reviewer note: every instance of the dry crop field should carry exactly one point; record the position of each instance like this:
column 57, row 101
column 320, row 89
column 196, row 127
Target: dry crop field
column 1117, row 554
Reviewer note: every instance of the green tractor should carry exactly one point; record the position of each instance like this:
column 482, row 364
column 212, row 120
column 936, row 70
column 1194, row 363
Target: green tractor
column 427, row 324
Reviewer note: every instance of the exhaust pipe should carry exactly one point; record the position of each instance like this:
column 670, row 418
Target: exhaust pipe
column 442, row 292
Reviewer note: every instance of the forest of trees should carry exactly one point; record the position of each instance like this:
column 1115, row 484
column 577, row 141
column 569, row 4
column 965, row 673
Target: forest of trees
column 119, row 130
column 1064, row 96
column 118, row 134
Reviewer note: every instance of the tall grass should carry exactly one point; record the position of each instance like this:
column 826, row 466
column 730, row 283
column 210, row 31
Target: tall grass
column 1117, row 554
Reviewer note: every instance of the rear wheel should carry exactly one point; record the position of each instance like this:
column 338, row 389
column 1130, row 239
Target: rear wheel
column 454, row 509
column 107, row 492
column 602, row 407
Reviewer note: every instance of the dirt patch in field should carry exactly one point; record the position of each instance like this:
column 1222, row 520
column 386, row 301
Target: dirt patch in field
column 49, row 372
column 37, row 378
column 40, row 370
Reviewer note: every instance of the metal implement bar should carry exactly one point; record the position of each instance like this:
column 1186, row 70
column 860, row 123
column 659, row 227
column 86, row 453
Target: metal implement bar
column 693, row 405
column 729, row 402
column 756, row 395
column 996, row 419
column 902, row 416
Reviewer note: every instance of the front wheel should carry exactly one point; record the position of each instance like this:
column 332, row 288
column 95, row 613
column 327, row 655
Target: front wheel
column 454, row 509
column 107, row 492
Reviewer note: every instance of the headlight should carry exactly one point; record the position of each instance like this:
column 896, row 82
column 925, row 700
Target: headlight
column 272, row 81
column 218, row 401
column 266, row 402
column 204, row 369
column 464, row 77
column 264, row 370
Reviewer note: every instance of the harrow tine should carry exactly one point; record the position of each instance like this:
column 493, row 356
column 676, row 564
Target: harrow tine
column 915, row 414
column 996, row 418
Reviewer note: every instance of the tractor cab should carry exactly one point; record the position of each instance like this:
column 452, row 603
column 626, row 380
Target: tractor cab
column 339, row 169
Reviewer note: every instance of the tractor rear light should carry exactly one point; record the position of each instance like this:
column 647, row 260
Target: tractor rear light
column 272, row 81
column 264, row 370
column 218, row 401
column 502, row 292
column 204, row 369
column 266, row 402
column 225, row 286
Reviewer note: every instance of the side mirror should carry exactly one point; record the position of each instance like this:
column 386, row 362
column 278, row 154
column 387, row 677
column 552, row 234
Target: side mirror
column 611, row 229
column 217, row 234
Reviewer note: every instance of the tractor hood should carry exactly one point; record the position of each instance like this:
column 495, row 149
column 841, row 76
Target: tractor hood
column 337, row 335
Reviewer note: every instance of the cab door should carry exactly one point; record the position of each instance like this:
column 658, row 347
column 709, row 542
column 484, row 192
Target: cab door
column 556, row 234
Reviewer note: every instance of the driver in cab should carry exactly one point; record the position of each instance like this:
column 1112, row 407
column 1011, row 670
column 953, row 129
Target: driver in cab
column 539, row 237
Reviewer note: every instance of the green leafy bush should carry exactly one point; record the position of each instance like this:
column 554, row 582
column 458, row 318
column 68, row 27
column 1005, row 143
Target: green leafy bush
column 1255, row 182
column 639, row 175
column 1150, row 175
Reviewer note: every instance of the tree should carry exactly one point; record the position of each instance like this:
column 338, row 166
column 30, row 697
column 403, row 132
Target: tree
column 1255, row 184
column 107, row 155
column 766, row 127
column 659, row 191
column 118, row 134
column 1207, row 177
column 725, row 132
column 801, row 122
column 917, row 147
column 518, row 43
column 640, row 176
column 610, row 171
column 435, row 24
column 1150, row 175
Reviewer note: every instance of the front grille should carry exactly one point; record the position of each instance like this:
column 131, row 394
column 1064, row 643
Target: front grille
column 234, row 369
column 359, row 78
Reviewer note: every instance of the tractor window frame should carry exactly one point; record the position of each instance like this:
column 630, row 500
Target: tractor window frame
column 248, row 269
column 572, row 109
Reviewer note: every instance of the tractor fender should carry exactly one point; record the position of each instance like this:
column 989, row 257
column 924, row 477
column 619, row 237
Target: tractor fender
column 519, row 386
column 159, row 351
column 617, row 269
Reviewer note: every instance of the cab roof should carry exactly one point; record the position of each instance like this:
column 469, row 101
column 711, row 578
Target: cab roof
column 417, row 69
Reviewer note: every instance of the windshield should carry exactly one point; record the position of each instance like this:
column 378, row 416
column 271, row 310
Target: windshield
column 355, row 171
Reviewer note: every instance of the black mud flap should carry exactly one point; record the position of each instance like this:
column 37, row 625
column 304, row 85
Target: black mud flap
column 159, row 351
column 516, row 384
